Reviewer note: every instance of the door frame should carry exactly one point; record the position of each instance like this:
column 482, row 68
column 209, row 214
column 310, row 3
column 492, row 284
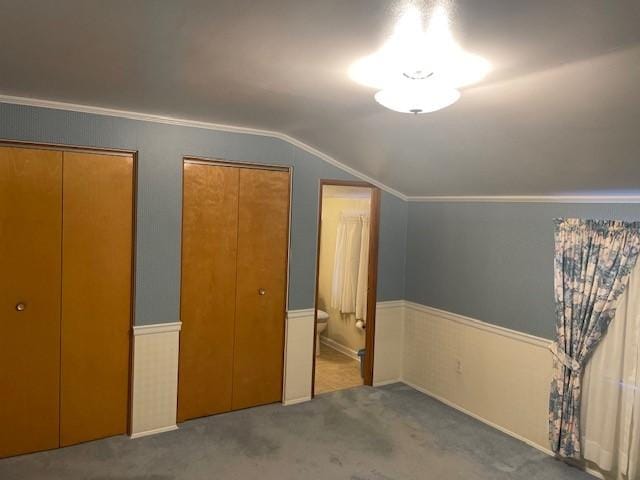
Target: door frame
column 201, row 160
column 372, row 274
column 61, row 147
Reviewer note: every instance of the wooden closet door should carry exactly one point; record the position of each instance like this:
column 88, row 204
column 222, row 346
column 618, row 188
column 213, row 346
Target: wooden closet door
column 263, row 233
column 30, row 224
column 96, row 295
column 208, row 292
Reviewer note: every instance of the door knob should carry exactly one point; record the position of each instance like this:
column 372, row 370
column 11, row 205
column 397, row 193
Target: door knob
column 20, row 307
column 261, row 291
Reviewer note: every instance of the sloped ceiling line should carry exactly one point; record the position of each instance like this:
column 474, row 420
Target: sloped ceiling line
column 33, row 102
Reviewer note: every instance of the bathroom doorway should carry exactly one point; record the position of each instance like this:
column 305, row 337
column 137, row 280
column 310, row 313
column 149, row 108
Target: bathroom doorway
column 346, row 279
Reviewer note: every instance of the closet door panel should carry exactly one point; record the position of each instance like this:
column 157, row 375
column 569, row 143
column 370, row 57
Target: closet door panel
column 30, row 233
column 208, row 292
column 260, row 307
column 96, row 295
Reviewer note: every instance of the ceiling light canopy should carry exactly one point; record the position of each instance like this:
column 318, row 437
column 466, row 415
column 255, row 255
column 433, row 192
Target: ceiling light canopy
column 417, row 68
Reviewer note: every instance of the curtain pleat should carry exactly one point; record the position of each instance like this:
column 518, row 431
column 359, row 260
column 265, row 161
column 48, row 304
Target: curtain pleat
column 363, row 270
column 610, row 414
column 349, row 282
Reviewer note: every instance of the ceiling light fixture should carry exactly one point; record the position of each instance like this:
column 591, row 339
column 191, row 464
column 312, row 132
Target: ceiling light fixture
column 417, row 99
column 419, row 71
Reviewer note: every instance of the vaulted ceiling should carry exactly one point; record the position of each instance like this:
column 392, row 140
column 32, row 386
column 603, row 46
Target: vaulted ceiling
column 559, row 114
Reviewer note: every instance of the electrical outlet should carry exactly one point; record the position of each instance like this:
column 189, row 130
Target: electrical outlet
column 459, row 366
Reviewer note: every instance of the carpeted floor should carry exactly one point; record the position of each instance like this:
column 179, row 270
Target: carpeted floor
column 392, row 432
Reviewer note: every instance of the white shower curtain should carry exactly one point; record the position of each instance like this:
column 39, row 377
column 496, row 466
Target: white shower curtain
column 363, row 271
column 610, row 413
column 348, row 287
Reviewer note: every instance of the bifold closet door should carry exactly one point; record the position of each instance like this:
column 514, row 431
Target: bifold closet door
column 30, row 276
column 263, row 238
column 208, row 292
column 96, row 295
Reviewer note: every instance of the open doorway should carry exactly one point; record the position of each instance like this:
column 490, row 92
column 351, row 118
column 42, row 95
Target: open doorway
column 347, row 261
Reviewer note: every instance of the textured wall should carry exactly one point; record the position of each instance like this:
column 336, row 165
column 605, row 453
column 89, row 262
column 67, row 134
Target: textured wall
column 491, row 261
column 161, row 148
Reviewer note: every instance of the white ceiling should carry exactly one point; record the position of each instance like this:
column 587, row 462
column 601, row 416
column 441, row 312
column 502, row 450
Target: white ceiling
column 560, row 114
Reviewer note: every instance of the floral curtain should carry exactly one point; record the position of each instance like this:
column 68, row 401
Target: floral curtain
column 593, row 260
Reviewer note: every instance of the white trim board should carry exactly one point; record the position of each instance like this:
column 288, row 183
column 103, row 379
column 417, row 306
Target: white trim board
column 146, row 117
column 457, row 407
column 295, row 401
column 305, row 313
column 339, row 347
column 479, row 324
column 156, row 328
column 478, row 417
column 388, row 304
column 389, row 382
column 170, row 428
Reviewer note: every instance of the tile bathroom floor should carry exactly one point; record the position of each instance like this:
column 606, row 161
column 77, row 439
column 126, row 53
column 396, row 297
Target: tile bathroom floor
column 335, row 371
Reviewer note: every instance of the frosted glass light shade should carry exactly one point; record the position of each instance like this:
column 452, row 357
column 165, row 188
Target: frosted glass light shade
column 381, row 70
column 435, row 65
column 417, row 97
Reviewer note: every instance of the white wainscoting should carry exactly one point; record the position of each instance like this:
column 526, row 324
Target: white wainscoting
column 155, row 378
column 155, row 364
column 387, row 365
column 298, row 364
column 389, row 342
column 494, row 374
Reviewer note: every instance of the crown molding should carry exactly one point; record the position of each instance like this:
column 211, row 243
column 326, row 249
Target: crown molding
column 146, row 117
column 528, row 199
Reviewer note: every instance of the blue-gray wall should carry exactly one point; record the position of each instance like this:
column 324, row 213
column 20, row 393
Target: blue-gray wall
column 492, row 261
column 489, row 261
column 160, row 150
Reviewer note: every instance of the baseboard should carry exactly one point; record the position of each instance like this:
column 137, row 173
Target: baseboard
column 339, row 347
column 479, row 418
column 295, row 401
column 170, row 428
column 540, row 448
column 592, row 472
column 382, row 383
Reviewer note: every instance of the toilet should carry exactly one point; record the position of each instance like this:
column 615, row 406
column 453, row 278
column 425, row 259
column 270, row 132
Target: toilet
column 321, row 325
